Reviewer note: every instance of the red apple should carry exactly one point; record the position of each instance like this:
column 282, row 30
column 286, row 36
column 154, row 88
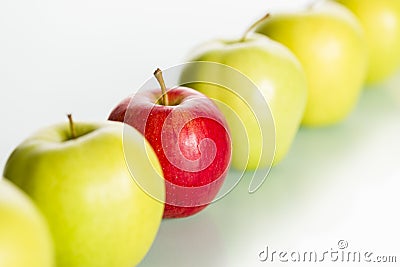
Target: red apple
column 191, row 139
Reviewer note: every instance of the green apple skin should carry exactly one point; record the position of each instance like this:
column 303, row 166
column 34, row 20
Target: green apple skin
column 381, row 22
column 98, row 215
column 330, row 44
column 25, row 239
column 277, row 74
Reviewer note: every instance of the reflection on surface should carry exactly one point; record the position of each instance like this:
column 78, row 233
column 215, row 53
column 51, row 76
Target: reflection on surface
column 337, row 183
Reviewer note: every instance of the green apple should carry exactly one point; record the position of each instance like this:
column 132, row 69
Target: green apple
column 381, row 22
column 78, row 177
column 25, row 239
column 276, row 77
column 330, row 43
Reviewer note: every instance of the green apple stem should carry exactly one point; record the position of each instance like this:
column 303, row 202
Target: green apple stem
column 71, row 126
column 246, row 33
column 314, row 4
column 164, row 98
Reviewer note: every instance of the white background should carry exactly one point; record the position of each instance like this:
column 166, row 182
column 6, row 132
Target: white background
column 340, row 182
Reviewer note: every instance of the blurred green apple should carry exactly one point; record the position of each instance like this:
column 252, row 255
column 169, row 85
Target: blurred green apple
column 330, row 43
column 78, row 177
column 277, row 79
column 24, row 235
column 381, row 22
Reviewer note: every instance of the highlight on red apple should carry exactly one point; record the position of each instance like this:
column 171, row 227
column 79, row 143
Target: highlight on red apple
column 196, row 137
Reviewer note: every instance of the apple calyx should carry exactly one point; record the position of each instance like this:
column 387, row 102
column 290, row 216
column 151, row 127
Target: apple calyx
column 255, row 24
column 71, row 127
column 164, row 97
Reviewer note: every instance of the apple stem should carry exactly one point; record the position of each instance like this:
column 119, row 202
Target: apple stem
column 164, row 98
column 71, row 126
column 246, row 33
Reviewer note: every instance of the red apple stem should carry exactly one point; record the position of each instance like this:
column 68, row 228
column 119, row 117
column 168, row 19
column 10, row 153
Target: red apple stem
column 164, row 98
column 255, row 24
column 71, row 126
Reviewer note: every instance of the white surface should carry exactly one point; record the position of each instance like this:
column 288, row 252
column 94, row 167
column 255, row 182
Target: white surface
column 84, row 56
column 337, row 183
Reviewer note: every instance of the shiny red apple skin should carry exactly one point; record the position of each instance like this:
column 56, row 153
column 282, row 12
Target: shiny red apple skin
column 194, row 171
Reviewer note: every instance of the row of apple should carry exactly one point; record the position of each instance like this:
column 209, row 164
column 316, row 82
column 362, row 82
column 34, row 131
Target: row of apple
column 310, row 70
column 103, row 188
